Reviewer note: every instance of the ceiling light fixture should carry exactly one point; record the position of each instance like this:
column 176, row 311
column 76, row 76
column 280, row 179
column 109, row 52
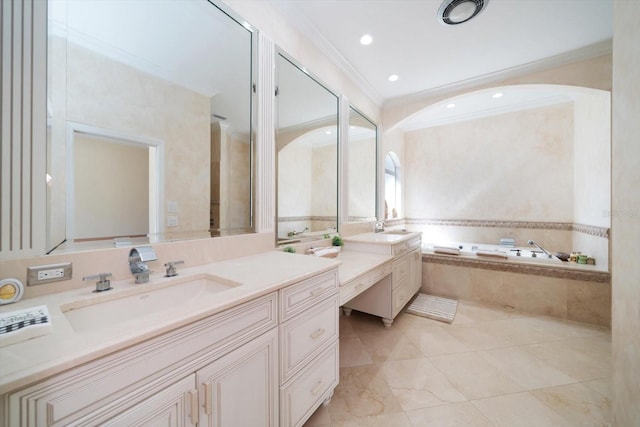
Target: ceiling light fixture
column 454, row 12
column 497, row 95
column 366, row 40
column 393, row 78
column 452, row 105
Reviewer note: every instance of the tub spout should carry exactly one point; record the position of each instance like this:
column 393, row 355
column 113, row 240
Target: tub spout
column 531, row 242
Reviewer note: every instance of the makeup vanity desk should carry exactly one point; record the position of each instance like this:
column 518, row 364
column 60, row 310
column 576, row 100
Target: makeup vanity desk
column 380, row 272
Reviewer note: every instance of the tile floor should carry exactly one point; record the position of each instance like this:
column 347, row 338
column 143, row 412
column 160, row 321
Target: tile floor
column 490, row 367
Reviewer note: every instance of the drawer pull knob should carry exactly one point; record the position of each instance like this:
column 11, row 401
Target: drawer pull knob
column 317, row 334
column 316, row 291
column 316, row 389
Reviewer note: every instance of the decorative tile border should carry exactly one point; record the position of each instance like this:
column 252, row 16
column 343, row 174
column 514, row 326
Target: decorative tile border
column 536, row 270
column 539, row 225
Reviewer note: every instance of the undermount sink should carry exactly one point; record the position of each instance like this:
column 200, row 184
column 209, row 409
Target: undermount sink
column 399, row 232
column 109, row 310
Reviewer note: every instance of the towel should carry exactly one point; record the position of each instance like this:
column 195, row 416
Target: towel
column 446, row 250
column 492, row 254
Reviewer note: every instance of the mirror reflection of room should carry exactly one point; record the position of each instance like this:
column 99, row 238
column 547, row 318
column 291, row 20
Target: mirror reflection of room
column 307, row 159
column 362, row 163
column 184, row 80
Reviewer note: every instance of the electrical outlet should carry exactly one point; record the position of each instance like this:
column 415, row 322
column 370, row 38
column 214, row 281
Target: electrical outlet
column 48, row 273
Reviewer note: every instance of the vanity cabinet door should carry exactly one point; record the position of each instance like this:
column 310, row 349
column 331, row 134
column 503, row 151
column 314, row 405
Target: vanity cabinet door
column 241, row 388
column 175, row 406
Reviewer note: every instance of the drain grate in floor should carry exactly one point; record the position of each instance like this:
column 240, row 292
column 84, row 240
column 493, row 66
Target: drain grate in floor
column 437, row 308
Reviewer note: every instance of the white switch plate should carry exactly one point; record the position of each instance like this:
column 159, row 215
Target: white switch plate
column 172, row 206
column 172, row 221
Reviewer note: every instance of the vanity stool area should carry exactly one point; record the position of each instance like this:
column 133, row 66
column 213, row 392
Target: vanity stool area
column 382, row 289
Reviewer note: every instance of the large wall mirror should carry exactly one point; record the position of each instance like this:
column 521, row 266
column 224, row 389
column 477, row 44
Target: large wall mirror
column 307, row 155
column 362, row 155
column 149, row 112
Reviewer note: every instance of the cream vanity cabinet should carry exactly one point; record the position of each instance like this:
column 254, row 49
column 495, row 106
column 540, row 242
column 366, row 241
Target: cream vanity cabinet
column 270, row 361
column 389, row 296
column 205, row 373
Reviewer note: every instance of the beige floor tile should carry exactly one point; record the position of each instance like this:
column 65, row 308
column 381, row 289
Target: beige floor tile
column 362, row 392
column 476, row 337
column 416, row 383
column 578, row 364
column 578, row 404
column 473, row 376
column 525, row 369
column 352, row 352
column 320, row 418
column 398, row 419
column 602, row 386
column 405, row 375
column 436, row 340
column 389, row 345
column 519, row 331
column 521, row 410
column 462, row 414
column 568, row 328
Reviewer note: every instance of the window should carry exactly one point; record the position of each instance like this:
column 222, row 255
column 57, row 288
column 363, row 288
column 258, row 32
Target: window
column 392, row 186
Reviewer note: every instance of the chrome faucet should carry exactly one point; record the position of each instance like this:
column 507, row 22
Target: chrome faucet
column 531, row 242
column 138, row 257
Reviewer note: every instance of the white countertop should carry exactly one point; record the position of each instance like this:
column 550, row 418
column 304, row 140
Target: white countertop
column 356, row 263
column 32, row 360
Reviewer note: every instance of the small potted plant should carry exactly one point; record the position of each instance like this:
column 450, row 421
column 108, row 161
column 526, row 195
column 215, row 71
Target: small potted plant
column 337, row 241
column 289, row 249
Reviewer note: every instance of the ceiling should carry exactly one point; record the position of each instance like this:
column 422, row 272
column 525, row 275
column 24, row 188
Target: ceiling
column 408, row 39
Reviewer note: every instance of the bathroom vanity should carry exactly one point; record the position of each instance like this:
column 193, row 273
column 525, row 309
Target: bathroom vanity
column 386, row 289
column 255, row 344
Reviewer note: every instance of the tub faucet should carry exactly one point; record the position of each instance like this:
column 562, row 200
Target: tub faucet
column 138, row 258
column 531, row 242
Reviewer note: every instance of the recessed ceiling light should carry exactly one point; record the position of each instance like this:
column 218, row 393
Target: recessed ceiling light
column 498, row 95
column 393, row 78
column 366, row 39
column 453, row 12
column 452, row 105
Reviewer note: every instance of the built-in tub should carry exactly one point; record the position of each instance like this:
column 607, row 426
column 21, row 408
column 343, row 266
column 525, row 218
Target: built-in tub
column 537, row 284
column 486, row 251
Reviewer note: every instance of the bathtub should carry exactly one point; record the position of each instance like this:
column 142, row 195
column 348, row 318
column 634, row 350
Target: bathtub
column 526, row 254
column 520, row 278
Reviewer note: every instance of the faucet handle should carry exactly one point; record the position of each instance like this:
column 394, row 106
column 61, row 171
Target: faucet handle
column 103, row 283
column 171, row 268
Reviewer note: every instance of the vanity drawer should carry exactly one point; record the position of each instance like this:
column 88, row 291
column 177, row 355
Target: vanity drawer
column 354, row 287
column 306, row 294
column 401, row 295
column 381, row 272
column 302, row 396
column 302, row 337
column 401, row 271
